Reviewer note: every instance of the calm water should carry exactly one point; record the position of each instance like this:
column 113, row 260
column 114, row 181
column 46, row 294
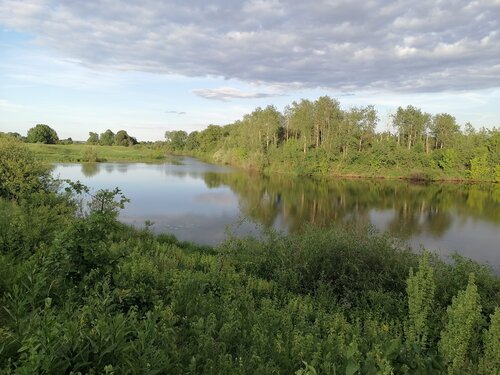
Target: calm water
column 202, row 202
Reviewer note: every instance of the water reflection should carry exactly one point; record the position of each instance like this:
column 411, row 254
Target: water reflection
column 197, row 201
column 416, row 208
column 90, row 169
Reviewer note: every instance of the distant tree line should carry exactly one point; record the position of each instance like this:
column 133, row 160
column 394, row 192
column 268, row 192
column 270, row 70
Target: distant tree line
column 320, row 137
column 108, row 138
column 42, row 133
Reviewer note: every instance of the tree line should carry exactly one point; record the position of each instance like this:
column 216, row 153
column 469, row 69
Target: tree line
column 320, row 137
column 42, row 133
column 108, row 138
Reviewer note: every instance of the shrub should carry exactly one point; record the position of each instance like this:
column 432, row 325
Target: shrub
column 457, row 339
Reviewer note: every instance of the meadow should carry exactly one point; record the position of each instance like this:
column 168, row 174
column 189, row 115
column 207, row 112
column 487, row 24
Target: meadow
column 59, row 153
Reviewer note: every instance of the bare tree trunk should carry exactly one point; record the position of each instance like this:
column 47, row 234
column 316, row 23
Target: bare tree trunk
column 287, row 124
column 317, row 135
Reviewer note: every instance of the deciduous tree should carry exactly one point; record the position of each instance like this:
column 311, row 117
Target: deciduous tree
column 42, row 133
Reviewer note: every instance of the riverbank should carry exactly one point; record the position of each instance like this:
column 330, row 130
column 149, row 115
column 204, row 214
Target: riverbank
column 336, row 170
column 149, row 153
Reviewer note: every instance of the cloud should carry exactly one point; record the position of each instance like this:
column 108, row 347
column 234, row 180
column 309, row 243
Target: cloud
column 424, row 46
column 227, row 93
column 176, row 112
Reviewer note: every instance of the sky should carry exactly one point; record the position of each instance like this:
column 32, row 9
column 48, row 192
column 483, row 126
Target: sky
column 151, row 66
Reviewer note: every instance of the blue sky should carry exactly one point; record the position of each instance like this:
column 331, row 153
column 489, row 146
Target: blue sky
column 151, row 66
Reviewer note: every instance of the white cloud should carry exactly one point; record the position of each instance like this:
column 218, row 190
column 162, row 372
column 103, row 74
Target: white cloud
column 175, row 112
column 227, row 93
column 355, row 45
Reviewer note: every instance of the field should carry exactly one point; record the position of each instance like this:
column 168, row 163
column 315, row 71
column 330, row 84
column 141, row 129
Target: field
column 91, row 153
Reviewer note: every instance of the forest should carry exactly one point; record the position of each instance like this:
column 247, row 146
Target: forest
column 82, row 293
column 320, row 138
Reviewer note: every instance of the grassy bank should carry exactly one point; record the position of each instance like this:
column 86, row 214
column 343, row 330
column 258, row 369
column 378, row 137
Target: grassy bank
column 91, row 153
column 305, row 165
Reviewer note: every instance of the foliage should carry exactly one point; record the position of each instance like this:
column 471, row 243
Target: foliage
column 42, row 133
column 89, row 155
column 420, row 289
column 93, row 139
column 446, row 159
column 107, row 138
column 458, row 339
column 479, row 167
column 20, row 173
column 176, row 139
column 123, row 139
column 13, row 135
column 320, row 138
column 67, row 141
column 490, row 363
column 83, row 293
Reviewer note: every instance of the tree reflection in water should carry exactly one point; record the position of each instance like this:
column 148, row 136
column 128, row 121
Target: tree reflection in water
column 416, row 208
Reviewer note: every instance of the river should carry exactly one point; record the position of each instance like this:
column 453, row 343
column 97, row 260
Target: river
column 204, row 203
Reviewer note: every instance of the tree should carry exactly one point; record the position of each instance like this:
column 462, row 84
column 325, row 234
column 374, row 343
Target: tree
column 67, row 141
column 192, row 142
column 411, row 124
column 42, row 133
column 209, row 137
column 301, row 121
column 107, row 138
column 176, row 139
column 444, row 129
column 327, row 119
column 267, row 123
column 93, row 139
column 123, row 139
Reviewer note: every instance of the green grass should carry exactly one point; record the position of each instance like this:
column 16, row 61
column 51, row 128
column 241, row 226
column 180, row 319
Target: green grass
column 86, row 153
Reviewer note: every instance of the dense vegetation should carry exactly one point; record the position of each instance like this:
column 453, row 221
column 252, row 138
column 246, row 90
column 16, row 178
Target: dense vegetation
column 108, row 138
column 321, row 138
column 44, row 134
column 82, row 293
column 317, row 138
